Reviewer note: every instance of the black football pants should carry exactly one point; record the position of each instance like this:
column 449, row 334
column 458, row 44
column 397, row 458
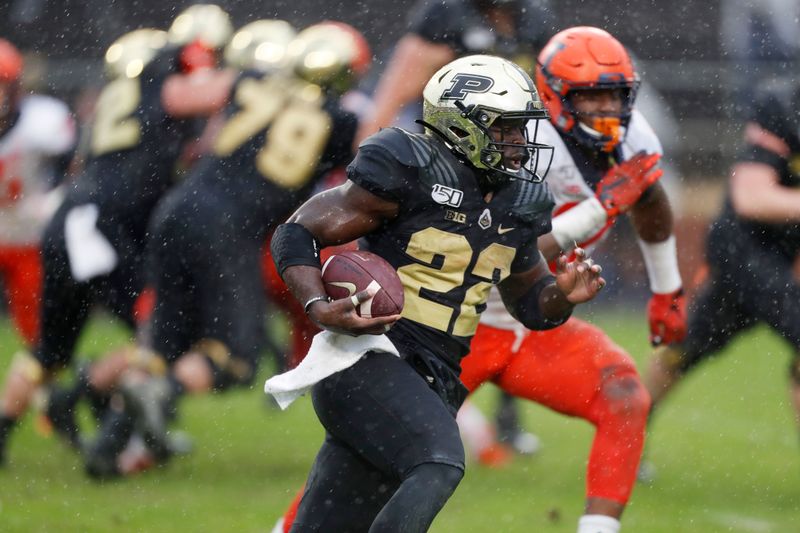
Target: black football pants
column 392, row 455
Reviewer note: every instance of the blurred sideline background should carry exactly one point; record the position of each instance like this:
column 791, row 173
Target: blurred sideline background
column 699, row 60
column 726, row 453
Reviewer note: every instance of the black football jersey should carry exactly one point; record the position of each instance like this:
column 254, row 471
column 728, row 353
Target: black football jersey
column 280, row 136
column 777, row 110
column 448, row 244
column 133, row 147
column 462, row 26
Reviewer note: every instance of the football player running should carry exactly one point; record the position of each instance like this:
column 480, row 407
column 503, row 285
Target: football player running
column 439, row 32
column 282, row 132
column 92, row 248
column 37, row 137
column 603, row 166
column 750, row 249
column 438, row 207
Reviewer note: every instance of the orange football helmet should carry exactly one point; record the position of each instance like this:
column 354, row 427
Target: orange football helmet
column 585, row 58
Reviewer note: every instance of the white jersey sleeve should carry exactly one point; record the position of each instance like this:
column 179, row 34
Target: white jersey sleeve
column 47, row 124
column 569, row 188
column 640, row 137
column 43, row 130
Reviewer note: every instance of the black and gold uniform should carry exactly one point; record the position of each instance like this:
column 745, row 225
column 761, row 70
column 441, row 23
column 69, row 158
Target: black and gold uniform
column 750, row 262
column 92, row 247
column 446, row 230
column 391, row 420
column 280, row 136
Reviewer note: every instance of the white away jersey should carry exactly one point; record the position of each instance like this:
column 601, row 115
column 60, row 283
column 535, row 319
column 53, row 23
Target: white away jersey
column 569, row 188
column 44, row 129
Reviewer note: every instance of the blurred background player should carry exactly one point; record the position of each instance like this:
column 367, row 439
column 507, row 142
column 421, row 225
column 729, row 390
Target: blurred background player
column 92, row 248
column 283, row 131
column 603, row 166
column 439, row 32
column 750, row 249
column 37, row 138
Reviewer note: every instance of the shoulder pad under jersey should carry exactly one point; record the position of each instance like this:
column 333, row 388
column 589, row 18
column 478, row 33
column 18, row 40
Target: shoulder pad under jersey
column 434, row 161
column 532, row 201
column 410, row 149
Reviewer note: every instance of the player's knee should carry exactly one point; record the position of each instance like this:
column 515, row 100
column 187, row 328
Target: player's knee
column 194, row 373
column 25, row 366
column 441, row 479
column 624, row 396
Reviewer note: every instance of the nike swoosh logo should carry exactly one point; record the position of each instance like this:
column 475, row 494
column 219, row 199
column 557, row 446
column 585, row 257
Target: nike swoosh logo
column 349, row 287
column 501, row 230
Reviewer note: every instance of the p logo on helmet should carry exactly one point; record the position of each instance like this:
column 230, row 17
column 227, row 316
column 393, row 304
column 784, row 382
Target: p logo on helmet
column 468, row 97
column 462, row 84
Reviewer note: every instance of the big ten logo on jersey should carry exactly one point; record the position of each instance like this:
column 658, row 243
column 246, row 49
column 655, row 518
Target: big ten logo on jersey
column 455, row 216
column 115, row 128
column 289, row 114
column 10, row 182
column 447, row 266
column 446, row 195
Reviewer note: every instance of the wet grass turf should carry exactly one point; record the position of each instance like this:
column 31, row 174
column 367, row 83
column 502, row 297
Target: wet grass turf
column 724, row 444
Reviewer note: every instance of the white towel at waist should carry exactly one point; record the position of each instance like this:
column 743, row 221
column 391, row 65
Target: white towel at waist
column 329, row 353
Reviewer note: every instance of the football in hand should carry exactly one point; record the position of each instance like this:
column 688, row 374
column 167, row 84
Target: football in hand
column 350, row 272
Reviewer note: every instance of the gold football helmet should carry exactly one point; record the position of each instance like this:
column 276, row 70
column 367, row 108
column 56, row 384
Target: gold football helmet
column 330, row 54
column 128, row 55
column 207, row 23
column 261, row 45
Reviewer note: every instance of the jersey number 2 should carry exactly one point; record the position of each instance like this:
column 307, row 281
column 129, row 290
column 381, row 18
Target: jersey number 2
column 444, row 258
column 114, row 127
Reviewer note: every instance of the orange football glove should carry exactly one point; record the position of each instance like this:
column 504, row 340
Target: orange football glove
column 667, row 316
column 624, row 183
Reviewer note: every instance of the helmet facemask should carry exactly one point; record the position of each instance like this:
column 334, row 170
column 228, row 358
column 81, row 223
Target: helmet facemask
column 602, row 130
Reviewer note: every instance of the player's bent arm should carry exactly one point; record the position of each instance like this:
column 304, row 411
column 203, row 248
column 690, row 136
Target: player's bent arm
column 653, row 221
column 336, row 216
column 413, row 63
column 550, row 247
column 533, row 298
column 200, row 93
column 652, row 215
column 573, row 226
column 756, row 194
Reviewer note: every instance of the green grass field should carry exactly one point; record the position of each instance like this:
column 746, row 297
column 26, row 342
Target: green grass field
column 727, row 454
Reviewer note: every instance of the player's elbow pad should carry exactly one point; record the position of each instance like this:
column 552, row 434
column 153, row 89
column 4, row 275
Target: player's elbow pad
column 528, row 308
column 293, row 245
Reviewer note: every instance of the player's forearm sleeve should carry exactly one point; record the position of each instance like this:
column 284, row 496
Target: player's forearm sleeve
column 293, row 245
column 528, row 308
column 578, row 224
column 661, row 261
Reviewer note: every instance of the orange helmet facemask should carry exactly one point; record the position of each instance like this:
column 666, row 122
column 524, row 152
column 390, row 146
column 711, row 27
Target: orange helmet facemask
column 581, row 59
